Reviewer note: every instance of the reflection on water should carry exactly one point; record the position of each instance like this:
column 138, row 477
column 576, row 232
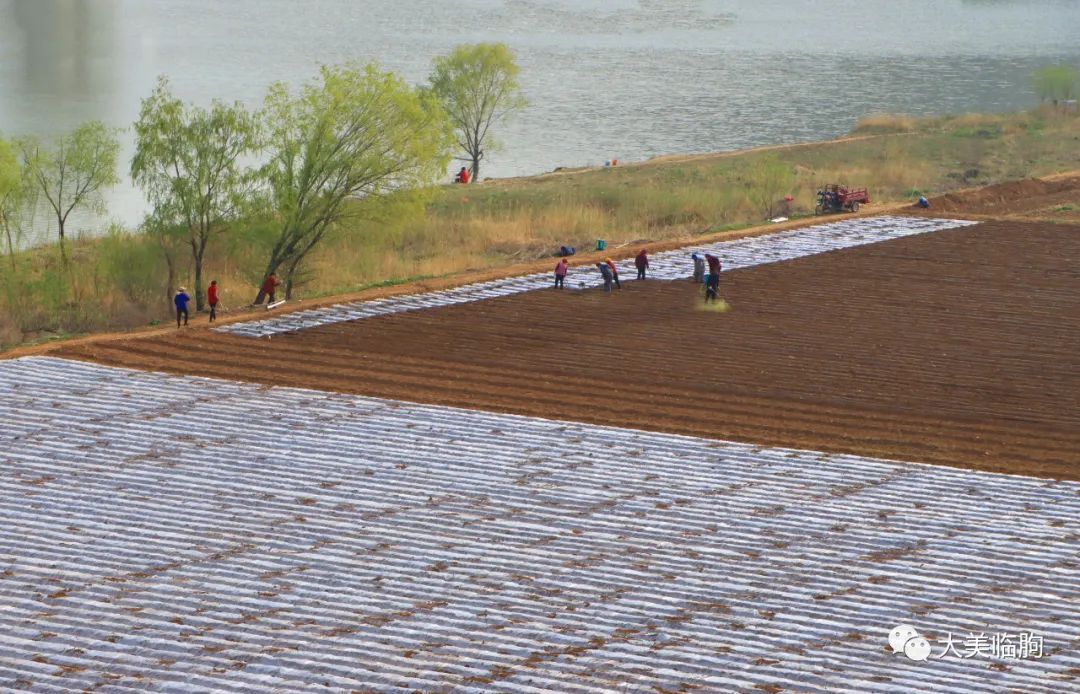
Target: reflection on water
column 68, row 46
column 59, row 69
column 606, row 78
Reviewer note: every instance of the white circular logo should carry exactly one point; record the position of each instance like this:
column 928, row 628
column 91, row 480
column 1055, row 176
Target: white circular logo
column 900, row 636
column 905, row 639
column 917, row 648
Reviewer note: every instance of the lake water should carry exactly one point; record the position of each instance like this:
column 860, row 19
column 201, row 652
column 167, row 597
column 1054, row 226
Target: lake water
column 625, row 79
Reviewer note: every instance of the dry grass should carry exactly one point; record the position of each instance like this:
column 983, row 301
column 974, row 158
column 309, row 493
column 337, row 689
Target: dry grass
column 884, row 123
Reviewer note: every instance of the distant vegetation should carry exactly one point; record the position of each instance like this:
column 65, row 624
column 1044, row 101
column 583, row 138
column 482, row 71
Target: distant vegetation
column 329, row 185
column 1057, row 83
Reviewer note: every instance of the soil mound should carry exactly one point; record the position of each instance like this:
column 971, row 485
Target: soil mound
column 1006, row 198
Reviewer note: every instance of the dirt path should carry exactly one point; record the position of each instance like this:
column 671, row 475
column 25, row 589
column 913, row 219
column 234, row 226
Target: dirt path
column 957, row 347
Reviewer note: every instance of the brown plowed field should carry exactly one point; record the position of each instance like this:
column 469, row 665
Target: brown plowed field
column 1029, row 198
column 960, row 347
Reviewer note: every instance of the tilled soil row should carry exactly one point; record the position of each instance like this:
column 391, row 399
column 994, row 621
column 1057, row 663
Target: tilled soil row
column 957, row 348
column 1011, row 197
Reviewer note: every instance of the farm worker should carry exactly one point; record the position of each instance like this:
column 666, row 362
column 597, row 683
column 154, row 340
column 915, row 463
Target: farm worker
column 712, row 287
column 560, row 273
column 270, row 287
column 923, row 202
column 605, row 272
column 699, row 267
column 181, row 300
column 614, row 272
column 462, row 176
column 641, row 262
column 212, row 299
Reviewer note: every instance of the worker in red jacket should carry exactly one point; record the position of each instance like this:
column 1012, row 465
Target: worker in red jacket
column 560, row 273
column 614, row 272
column 212, row 299
column 641, row 262
column 270, row 286
column 712, row 288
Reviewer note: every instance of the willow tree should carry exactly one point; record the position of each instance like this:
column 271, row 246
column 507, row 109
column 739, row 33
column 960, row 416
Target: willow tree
column 73, row 173
column 10, row 189
column 9, row 168
column 354, row 135
column 189, row 162
column 478, row 86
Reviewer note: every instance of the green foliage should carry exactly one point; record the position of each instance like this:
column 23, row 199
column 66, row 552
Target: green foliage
column 72, row 174
column 354, row 133
column 478, row 86
column 9, row 168
column 188, row 162
column 1057, row 83
column 15, row 195
column 767, row 181
column 132, row 266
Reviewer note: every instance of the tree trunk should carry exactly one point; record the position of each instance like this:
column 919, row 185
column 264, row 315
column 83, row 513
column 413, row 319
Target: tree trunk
column 170, row 265
column 60, row 221
column 476, row 168
column 199, row 302
column 280, row 252
column 10, row 243
column 272, row 266
column 289, row 273
column 198, row 252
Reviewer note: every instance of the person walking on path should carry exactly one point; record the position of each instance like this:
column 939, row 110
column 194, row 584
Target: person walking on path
column 181, row 300
column 699, row 268
column 212, row 299
column 641, row 262
column 712, row 288
column 605, row 272
column 614, row 272
column 560, row 273
column 270, row 287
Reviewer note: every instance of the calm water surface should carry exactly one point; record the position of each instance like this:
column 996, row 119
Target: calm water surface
column 617, row 78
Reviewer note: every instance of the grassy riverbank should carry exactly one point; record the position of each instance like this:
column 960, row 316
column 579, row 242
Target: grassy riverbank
column 119, row 281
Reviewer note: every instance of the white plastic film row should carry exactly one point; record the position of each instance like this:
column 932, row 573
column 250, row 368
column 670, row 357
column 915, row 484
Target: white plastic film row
column 162, row 533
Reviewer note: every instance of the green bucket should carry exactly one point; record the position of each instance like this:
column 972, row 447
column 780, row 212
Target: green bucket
column 601, row 244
